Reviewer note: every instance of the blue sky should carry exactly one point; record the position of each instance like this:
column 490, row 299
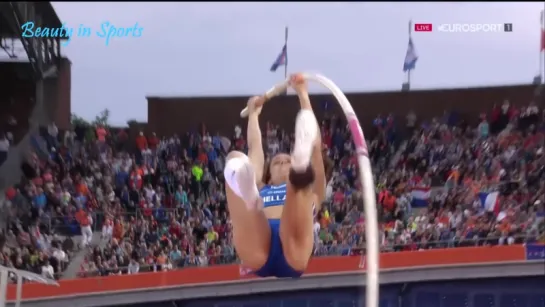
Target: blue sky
column 203, row 49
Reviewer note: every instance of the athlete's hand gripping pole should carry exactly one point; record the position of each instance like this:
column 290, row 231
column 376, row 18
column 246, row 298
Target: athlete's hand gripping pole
column 275, row 91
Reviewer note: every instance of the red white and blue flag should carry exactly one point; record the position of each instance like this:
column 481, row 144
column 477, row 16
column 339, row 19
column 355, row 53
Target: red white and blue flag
column 281, row 60
column 420, row 197
column 490, row 201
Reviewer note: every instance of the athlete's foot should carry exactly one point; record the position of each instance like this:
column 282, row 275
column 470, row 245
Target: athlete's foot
column 306, row 133
column 240, row 176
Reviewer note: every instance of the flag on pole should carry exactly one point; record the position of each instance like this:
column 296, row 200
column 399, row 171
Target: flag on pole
column 420, row 197
column 281, row 60
column 490, row 202
column 411, row 57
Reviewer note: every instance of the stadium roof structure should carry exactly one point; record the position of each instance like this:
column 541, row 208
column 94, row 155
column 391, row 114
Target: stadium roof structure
column 43, row 9
column 22, row 70
column 6, row 30
column 50, row 18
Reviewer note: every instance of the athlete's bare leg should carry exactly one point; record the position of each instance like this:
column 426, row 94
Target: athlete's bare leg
column 296, row 230
column 306, row 187
column 251, row 231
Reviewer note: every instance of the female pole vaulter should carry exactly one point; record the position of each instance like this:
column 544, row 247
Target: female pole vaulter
column 272, row 204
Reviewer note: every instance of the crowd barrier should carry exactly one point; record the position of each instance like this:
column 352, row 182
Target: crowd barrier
column 320, row 251
column 334, row 265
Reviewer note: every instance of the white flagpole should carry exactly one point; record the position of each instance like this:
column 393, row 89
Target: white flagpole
column 541, row 62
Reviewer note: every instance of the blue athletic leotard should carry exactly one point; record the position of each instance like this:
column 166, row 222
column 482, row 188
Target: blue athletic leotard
column 276, row 264
column 273, row 195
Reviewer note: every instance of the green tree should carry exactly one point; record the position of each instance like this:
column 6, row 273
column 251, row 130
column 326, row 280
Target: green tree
column 132, row 122
column 76, row 120
column 102, row 118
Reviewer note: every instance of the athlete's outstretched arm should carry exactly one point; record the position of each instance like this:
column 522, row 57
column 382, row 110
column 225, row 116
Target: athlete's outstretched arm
column 255, row 145
column 317, row 162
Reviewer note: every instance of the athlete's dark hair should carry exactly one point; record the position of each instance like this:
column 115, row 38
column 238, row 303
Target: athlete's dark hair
column 328, row 167
column 267, row 171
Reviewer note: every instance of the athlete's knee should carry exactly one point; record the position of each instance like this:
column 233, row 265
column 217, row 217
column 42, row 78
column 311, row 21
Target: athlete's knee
column 254, row 260
column 298, row 259
column 297, row 251
column 252, row 255
column 234, row 154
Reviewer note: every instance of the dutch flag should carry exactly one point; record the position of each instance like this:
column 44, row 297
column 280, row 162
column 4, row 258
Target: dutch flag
column 410, row 57
column 421, row 197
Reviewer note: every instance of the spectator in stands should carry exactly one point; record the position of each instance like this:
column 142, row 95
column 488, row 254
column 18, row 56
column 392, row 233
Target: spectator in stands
column 11, row 129
column 52, row 135
column 133, row 267
column 107, row 229
column 121, row 140
column 177, row 208
column 141, row 141
column 153, row 141
column 483, row 128
column 411, row 122
column 69, row 139
column 4, row 147
column 85, row 221
column 47, row 270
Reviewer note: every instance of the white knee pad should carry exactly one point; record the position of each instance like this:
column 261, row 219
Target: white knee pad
column 229, row 173
column 240, row 177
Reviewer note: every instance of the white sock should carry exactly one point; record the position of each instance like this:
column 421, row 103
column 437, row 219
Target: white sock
column 306, row 133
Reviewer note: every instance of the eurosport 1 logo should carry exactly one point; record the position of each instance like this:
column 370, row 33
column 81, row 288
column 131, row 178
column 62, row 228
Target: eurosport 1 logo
column 465, row 27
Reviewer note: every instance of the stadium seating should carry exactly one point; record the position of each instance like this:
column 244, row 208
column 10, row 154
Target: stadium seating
column 201, row 237
column 156, row 214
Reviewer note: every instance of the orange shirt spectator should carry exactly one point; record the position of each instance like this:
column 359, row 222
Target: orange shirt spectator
column 444, row 219
column 11, row 193
column 83, row 218
column 389, row 202
column 141, row 141
column 92, row 203
column 324, row 221
column 119, row 230
column 153, row 141
column 135, row 180
column 203, row 157
column 161, row 259
column 101, row 134
column 82, row 188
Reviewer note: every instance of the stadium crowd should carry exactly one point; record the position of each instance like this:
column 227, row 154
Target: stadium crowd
column 162, row 206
